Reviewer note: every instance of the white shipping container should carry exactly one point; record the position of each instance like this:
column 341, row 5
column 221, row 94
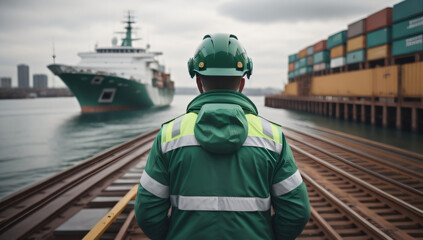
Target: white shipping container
column 319, row 67
column 337, row 62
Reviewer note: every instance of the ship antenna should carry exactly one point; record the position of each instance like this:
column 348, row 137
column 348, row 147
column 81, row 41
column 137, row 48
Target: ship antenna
column 54, row 54
column 127, row 41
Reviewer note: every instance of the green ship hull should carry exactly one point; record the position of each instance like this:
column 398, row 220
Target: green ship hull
column 100, row 93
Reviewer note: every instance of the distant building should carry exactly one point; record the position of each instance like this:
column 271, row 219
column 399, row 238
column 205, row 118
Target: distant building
column 23, row 76
column 40, row 80
column 6, row 82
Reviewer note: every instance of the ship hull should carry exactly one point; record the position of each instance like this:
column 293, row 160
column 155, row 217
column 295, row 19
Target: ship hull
column 101, row 93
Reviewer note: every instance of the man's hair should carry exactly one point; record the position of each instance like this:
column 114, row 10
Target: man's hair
column 220, row 82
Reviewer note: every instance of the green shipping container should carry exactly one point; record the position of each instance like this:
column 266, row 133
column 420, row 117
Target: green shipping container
column 407, row 9
column 302, row 62
column 297, row 65
column 356, row 56
column 336, row 39
column 302, row 71
column 310, row 69
column 322, row 56
column 291, row 74
column 378, row 37
column 407, row 45
column 407, row 28
column 296, row 73
column 292, row 58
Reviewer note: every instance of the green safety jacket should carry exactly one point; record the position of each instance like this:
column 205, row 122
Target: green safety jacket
column 220, row 167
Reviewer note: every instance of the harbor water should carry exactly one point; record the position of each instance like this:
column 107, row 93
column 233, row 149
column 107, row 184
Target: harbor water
column 41, row 137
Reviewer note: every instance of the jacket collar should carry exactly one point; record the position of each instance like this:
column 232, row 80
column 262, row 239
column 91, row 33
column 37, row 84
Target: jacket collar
column 222, row 96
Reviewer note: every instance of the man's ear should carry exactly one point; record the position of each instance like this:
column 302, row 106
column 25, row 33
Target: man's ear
column 199, row 85
column 241, row 86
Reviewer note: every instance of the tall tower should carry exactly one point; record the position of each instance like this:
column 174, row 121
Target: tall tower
column 23, row 76
column 40, row 81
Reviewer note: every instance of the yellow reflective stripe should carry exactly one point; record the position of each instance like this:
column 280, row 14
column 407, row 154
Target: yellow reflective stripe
column 179, row 127
column 164, row 129
column 254, row 126
column 188, row 124
column 276, row 133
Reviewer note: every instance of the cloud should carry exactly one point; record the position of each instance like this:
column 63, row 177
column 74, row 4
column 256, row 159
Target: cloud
column 298, row 10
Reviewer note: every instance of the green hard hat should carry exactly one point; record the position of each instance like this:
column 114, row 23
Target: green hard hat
column 220, row 54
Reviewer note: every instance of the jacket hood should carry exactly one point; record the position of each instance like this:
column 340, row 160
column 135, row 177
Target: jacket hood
column 221, row 126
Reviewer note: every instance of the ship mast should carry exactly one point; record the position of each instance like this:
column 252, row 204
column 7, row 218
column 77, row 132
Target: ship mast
column 127, row 41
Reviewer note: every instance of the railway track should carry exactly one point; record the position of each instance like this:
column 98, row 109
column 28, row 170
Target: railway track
column 43, row 204
column 387, row 195
column 353, row 194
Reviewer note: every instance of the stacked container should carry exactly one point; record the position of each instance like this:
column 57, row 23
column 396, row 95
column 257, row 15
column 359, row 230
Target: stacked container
column 310, row 51
column 356, row 44
column 378, row 40
column 337, row 46
column 407, row 31
column 302, row 62
column 321, row 57
column 291, row 67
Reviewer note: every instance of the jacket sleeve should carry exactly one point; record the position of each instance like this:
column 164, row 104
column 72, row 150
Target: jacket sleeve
column 152, row 201
column 289, row 197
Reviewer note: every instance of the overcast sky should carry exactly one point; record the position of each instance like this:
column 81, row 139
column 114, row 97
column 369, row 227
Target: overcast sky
column 270, row 30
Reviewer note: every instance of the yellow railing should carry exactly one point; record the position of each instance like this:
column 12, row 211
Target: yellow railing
column 111, row 216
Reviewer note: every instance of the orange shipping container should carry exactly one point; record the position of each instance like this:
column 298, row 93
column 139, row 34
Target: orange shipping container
column 411, row 77
column 338, row 51
column 379, row 52
column 320, row 46
column 385, row 81
column 381, row 82
column 291, row 67
column 302, row 53
column 356, row 43
column 291, row 89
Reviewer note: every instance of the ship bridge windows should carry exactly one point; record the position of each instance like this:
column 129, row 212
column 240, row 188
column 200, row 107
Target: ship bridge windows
column 107, row 95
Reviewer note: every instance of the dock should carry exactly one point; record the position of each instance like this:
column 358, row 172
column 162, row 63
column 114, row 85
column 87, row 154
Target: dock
column 358, row 189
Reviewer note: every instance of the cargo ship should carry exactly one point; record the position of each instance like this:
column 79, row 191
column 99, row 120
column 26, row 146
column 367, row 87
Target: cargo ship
column 118, row 77
column 372, row 72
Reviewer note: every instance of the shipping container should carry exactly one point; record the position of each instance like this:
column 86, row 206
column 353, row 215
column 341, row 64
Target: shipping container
column 411, row 79
column 407, row 28
column 337, row 51
column 379, row 20
column 310, row 50
column 291, row 89
column 379, row 37
column 356, row 83
column 336, row 39
column 407, row 45
column 320, row 46
column 356, row 56
column 321, row 66
column 309, row 69
column 337, row 62
column 296, row 72
column 297, row 65
column 302, row 62
column 407, row 9
column 292, row 58
column 302, row 53
column 302, row 71
column 381, row 82
column 291, row 67
column 356, row 43
column 379, row 52
column 385, row 81
column 356, row 28
column 322, row 56
column 291, row 75
column 310, row 61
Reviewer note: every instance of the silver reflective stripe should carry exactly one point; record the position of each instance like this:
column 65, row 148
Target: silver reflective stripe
column 267, row 128
column 188, row 140
column 287, row 185
column 264, row 143
column 154, row 187
column 214, row 203
column 176, row 129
